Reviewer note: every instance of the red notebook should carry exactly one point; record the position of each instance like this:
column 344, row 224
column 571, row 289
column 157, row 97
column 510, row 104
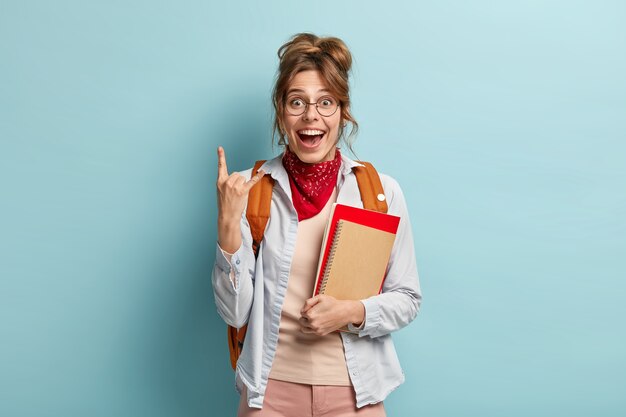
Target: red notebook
column 355, row 252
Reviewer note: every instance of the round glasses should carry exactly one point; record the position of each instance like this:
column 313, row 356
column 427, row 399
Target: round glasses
column 326, row 106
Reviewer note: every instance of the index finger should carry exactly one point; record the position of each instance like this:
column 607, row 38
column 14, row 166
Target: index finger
column 222, row 170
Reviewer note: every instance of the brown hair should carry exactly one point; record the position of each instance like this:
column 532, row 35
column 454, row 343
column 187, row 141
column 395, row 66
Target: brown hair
column 328, row 55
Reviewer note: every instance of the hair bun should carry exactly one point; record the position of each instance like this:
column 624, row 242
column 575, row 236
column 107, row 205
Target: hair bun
column 314, row 46
column 338, row 51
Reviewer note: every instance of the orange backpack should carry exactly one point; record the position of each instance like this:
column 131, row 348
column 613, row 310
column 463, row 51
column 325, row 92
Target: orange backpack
column 258, row 213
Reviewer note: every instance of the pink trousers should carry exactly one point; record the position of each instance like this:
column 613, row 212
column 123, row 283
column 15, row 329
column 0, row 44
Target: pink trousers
column 289, row 399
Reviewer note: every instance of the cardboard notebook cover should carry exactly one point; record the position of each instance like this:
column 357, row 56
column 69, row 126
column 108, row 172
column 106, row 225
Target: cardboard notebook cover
column 355, row 253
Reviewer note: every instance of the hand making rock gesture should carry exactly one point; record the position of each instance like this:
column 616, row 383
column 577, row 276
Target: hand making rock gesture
column 232, row 195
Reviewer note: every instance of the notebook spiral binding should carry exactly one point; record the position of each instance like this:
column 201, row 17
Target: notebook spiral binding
column 331, row 255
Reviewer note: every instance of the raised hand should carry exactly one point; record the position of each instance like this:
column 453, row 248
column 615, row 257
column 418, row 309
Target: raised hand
column 232, row 194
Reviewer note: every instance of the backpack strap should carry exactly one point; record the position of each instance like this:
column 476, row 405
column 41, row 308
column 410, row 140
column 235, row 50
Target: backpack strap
column 370, row 187
column 235, row 343
column 257, row 214
column 258, row 210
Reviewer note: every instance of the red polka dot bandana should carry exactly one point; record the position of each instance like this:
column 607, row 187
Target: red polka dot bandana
column 311, row 184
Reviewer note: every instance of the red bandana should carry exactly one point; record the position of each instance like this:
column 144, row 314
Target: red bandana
column 311, row 184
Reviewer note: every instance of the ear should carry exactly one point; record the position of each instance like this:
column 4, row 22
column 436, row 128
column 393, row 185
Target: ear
column 343, row 123
column 344, row 110
column 281, row 126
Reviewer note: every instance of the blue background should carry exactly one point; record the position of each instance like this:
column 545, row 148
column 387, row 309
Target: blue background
column 503, row 121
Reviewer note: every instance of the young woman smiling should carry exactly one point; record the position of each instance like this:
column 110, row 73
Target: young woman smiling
column 294, row 362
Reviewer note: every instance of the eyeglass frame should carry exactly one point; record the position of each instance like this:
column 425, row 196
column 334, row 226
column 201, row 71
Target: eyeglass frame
column 306, row 107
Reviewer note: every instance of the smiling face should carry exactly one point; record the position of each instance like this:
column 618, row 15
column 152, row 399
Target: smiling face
column 311, row 137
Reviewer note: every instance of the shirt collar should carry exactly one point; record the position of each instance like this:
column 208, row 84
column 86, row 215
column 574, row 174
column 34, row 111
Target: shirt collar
column 347, row 164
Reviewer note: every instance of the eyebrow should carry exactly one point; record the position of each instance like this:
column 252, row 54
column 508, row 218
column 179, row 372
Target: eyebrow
column 299, row 90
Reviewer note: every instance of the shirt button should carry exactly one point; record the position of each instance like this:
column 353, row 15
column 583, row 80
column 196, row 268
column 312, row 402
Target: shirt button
column 237, row 261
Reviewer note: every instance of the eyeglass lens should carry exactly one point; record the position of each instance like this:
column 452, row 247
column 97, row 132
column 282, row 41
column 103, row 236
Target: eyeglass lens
column 326, row 106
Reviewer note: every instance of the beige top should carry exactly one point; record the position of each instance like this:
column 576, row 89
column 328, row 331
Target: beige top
column 301, row 357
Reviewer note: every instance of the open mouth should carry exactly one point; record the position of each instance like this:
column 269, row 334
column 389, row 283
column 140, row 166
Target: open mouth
column 310, row 137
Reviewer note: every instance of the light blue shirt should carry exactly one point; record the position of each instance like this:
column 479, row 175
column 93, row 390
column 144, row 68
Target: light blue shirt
column 256, row 297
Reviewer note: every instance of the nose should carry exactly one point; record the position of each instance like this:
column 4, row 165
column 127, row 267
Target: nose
column 310, row 113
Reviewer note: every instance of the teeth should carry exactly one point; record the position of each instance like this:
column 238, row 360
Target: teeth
column 311, row 132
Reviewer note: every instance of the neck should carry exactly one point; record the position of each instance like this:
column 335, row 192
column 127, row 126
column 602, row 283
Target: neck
column 330, row 157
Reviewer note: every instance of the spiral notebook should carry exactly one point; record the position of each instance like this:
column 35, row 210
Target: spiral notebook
column 355, row 252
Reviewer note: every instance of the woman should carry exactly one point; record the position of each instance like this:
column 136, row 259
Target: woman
column 294, row 362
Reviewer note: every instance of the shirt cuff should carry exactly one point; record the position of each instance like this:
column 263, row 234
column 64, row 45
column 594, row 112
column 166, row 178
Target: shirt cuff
column 227, row 255
column 371, row 320
column 229, row 263
column 355, row 329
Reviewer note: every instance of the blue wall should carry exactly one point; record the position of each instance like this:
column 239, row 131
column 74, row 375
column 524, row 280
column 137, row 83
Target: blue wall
column 503, row 121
